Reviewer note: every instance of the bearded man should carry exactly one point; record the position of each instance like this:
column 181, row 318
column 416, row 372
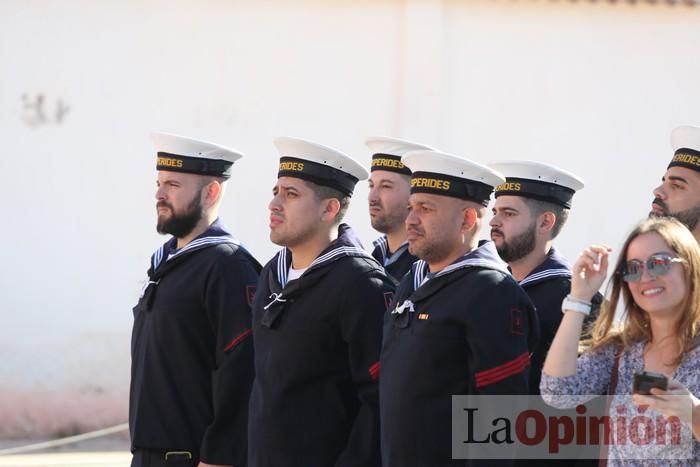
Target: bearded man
column 191, row 350
column 530, row 210
column 678, row 195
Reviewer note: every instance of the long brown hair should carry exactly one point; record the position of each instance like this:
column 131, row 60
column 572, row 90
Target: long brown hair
column 635, row 324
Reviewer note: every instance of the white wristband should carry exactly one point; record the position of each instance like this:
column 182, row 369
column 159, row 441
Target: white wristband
column 574, row 304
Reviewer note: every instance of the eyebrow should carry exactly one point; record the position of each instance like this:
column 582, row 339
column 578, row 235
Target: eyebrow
column 676, row 178
column 380, row 181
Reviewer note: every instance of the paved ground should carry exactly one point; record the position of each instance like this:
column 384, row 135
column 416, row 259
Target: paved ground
column 110, row 451
column 69, row 459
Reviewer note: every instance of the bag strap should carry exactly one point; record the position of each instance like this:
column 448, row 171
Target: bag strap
column 612, row 387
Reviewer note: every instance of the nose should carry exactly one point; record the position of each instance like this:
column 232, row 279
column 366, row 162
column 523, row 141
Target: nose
column 372, row 195
column 495, row 221
column 659, row 192
column 274, row 205
column 412, row 218
column 646, row 275
column 160, row 193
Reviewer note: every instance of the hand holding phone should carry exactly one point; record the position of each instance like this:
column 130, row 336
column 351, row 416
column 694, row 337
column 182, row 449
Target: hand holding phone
column 644, row 381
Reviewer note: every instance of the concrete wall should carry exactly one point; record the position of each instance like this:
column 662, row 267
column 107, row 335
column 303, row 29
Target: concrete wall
column 595, row 88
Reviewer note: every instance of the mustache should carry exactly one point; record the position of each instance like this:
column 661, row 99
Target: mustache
column 373, row 204
column 496, row 231
column 659, row 202
column 163, row 204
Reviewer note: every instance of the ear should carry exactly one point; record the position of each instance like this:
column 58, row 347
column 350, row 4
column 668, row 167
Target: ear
column 469, row 218
column 211, row 192
column 330, row 208
column 546, row 221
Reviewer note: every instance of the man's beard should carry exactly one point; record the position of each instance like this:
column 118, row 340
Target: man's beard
column 180, row 225
column 388, row 222
column 689, row 217
column 518, row 247
column 432, row 252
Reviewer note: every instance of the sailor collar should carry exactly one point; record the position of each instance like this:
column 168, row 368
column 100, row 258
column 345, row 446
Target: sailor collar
column 216, row 234
column 347, row 244
column 485, row 256
column 555, row 265
column 382, row 244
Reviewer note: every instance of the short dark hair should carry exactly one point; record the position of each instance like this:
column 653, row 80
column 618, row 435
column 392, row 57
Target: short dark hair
column 538, row 207
column 207, row 179
column 322, row 192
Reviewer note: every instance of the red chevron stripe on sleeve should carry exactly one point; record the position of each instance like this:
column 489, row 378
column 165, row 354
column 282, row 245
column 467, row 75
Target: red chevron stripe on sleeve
column 237, row 340
column 374, row 371
column 501, row 372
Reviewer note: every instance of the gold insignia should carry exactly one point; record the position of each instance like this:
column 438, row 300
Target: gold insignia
column 686, row 159
column 508, row 187
column 423, row 182
column 292, row 166
column 170, row 162
column 382, row 162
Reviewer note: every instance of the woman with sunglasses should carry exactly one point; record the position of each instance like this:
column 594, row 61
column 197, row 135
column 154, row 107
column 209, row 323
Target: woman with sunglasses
column 658, row 276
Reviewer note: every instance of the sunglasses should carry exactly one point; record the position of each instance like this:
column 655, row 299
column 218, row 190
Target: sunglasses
column 658, row 264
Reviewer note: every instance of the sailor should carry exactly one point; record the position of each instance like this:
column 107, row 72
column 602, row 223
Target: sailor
column 530, row 210
column 460, row 324
column 191, row 350
column 389, row 189
column 317, row 321
column 678, row 195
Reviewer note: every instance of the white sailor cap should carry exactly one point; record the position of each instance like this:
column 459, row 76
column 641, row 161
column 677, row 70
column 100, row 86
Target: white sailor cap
column 685, row 141
column 387, row 152
column 537, row 181
column 180, row 154
column 449, row 175
column 319, row 164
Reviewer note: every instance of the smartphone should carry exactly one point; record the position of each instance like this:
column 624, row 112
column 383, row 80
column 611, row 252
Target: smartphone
column 644, row 381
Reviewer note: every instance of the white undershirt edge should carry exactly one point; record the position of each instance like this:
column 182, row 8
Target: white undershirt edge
column 295, row 273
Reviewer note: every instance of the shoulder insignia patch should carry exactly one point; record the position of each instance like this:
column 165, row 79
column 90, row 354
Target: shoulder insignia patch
column 250, row 294
column 388, row 299
column 516, row 322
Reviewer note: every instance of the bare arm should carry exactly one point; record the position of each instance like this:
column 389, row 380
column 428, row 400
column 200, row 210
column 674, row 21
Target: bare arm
column 589, row 272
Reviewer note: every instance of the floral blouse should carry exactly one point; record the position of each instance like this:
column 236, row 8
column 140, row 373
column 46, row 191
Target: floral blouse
column 593, row 371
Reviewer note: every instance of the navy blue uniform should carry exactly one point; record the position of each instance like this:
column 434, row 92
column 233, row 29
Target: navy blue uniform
column 191, row 351
column 464, row 330
column 396, row 264
column 317, row 340
column 546, row 285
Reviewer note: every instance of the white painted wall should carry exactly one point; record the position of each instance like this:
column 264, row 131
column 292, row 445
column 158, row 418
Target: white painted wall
column 595, row 88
